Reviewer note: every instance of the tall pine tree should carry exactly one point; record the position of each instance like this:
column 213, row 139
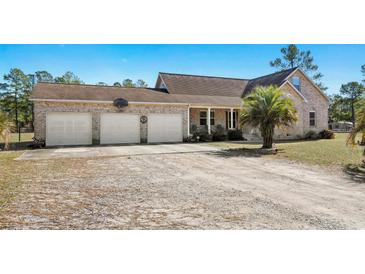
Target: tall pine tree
column 293, row 57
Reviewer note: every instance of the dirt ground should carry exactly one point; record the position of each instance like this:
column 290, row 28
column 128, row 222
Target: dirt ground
column 202, row 190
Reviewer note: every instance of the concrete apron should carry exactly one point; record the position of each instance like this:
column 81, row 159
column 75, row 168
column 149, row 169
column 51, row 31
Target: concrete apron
column 106, row 151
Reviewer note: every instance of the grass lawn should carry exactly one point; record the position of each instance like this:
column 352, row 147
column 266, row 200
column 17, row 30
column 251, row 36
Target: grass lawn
column 332, row 152
column 14, row 174
column 10, row 180
column 23, row 137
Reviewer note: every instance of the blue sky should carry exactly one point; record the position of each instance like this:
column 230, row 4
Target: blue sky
column 111, row 63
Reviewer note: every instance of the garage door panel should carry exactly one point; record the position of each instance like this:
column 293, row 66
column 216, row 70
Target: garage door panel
column 68, row 128
column 119, row 128
column 165, row 128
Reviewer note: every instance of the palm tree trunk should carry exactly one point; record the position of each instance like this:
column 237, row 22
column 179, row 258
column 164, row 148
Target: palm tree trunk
column 267, row 135
column 362, row 143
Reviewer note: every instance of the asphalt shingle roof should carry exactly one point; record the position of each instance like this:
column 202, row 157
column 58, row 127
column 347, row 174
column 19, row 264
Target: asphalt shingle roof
column 181, row 88
column 203, row 85
column 276, row 79
column 50, row 91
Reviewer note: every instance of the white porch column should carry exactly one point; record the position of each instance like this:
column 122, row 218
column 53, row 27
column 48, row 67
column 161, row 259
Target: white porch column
column 208, row 121
column 188, row 121
column 231, row 125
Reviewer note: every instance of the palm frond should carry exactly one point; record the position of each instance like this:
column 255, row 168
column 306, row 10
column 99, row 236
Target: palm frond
column 5, row 129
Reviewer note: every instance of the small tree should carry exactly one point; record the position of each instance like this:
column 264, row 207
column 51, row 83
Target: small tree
column 339, row 109
column 359, row 127
column 128, row 83
column 43, row 76
column 141, row 84
column 352, row 93
column 14, row 99
column 5, row 129
column 267, row 108
column 68, row 78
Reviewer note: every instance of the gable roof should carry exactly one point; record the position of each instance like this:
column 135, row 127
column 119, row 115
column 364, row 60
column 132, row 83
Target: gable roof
column 181, row 89
column 107, row 94
column 202, row 85
column 275, row 79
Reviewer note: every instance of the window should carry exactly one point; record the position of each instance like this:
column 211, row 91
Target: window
column 212, row 118
column 295, row 80
column 203, row 118
column 163, row 86
column 312, row 118
column 228, row 119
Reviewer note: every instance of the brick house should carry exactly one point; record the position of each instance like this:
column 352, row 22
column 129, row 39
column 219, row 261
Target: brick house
column 88, row 114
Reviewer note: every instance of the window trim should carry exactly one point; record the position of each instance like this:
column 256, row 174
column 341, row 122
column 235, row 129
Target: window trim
column 312, row 119
column 235, row 119
column 298, row 87
column 212, row 117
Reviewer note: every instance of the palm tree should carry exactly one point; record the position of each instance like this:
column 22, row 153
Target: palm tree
column 267, row 108
column 359, row 127
column 5, row 129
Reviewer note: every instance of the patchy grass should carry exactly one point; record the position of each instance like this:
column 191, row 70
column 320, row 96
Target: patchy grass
column 333, row 152
column 24, row 137
column 16, row 174
column 10, row 180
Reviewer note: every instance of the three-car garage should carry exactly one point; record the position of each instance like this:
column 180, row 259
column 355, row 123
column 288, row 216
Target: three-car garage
column 76, row 128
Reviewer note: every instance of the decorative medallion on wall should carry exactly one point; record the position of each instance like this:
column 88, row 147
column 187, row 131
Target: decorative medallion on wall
column 120, row 103
column 143, row 119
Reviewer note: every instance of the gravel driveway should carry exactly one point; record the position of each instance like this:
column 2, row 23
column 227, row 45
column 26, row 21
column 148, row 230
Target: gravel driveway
column 202, row 190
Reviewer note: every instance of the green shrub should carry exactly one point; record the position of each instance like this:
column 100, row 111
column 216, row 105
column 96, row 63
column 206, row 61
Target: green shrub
column 235, row 134
column 200, row 134
column 311, row 135
column 219, row 134
column 327, row 134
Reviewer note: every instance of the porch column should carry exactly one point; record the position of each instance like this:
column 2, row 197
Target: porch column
column 231, row 125
column 208, row 121
column 188, row 121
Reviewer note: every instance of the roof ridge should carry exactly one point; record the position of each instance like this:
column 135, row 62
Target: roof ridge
column 93, row 85
column 204, row 76
column 286, row 70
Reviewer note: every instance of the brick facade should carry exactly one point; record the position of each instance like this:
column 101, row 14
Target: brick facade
column 314, row 101
column 41, row 109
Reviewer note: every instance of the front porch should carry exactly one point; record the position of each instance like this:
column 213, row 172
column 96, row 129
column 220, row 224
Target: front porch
column 209, row 118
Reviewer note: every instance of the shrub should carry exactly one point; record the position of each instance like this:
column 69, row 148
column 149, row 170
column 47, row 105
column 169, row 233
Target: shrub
column 327, row 134
column 200, row 134
column 219, row 134
column 194, row 129
column 235, row 134
column 311, row 135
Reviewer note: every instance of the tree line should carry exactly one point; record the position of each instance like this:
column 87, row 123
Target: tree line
column 15, row 90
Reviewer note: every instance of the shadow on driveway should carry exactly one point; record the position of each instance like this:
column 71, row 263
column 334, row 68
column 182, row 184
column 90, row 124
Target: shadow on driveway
column 242, row 152
column 356, row 173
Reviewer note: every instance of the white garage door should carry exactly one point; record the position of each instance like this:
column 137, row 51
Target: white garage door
column 165, row 128
column 68, row 128
column 119, row 128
